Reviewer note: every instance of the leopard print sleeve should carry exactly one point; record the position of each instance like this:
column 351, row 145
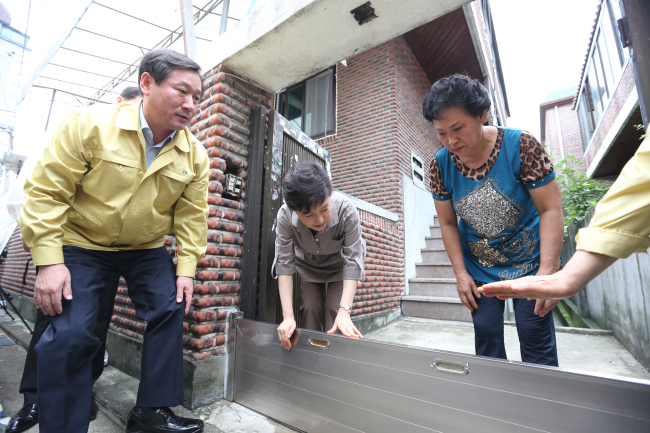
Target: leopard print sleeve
column 535, row 163
column 437, row 187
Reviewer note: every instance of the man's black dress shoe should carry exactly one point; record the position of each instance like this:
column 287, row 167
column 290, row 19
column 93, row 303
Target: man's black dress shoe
column 25, row 418
column 93, row 409
column 160, row 420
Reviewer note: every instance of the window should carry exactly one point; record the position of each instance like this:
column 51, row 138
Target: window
column 602, row 72
column 310, row 104
column 586, row 119
column 13, row 35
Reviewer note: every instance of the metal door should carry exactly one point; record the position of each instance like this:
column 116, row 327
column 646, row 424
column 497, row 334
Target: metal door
column 286, row 146
column 334, row 384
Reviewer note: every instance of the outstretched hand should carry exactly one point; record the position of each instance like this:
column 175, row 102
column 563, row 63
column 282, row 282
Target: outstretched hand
column 556, row 286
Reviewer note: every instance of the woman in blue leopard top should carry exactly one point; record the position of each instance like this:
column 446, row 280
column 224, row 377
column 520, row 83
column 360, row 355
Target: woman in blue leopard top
column 501, row 184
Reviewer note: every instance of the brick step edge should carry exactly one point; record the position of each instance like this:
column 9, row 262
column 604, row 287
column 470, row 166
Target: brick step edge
column 433, row 299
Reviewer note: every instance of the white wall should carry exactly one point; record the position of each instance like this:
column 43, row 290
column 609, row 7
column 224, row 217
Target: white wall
column 619, row 298
column 283, row 42
column 418, row 216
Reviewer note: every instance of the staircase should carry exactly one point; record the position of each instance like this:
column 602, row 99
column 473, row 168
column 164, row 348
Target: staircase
column 432, row 293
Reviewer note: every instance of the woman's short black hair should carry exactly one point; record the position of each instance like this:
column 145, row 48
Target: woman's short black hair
column 459, row 91
column 306, row 184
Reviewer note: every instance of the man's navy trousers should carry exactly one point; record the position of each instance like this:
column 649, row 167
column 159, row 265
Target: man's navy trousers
column 66, row 348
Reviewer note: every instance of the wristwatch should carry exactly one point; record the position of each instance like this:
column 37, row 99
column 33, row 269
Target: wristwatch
column 346, row 307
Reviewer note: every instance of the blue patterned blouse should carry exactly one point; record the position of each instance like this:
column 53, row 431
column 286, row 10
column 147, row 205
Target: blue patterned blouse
column 499, row 224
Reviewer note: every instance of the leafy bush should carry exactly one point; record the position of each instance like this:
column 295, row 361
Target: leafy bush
column 579, row 193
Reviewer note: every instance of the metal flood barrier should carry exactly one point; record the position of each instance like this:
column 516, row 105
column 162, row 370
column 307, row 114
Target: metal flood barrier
column 329, row 383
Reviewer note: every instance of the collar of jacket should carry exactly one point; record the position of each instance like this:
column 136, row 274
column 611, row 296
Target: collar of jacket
column 129, row 118
column 334, row 218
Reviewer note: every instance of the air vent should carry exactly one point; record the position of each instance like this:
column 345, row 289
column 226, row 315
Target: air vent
column 417, row 170
column 364, row 13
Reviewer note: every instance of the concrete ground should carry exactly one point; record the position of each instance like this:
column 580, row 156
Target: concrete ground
column 596, row 352
column 12, row 360
column 115, row 393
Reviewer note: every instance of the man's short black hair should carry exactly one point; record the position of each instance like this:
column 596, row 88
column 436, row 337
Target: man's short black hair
column 306, row 184
column 459, row 91
column 130, row 93
column 161, row 62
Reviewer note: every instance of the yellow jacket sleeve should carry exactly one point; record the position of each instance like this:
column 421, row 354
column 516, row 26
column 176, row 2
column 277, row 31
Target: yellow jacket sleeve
column 621, row 224
column 50, row 191
column 190, row 221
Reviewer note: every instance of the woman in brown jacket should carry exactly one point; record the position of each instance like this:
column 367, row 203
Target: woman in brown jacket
column 318, row 235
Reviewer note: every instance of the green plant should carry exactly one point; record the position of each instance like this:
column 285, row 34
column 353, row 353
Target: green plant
column 640, row 128
column 579, row 193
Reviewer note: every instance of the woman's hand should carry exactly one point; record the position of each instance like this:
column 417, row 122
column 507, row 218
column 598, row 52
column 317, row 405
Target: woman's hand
column 344, row 324
column 285, row 331
column 467, row 290
column 542, row 307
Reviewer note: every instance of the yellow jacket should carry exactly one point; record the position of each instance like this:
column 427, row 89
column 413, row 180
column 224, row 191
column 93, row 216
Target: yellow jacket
column 621, row 224
column 91, row 189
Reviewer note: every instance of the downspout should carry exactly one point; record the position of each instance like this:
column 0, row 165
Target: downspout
column 559, row 131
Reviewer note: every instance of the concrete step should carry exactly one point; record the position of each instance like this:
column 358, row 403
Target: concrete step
column 434, row 255
column 435, row 232
column 434, row 242
column 433, row 287
column 438, row 270
column 433, row 307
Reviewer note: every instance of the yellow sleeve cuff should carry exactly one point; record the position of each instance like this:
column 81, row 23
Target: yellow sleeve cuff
column 47, row 256
column 613, row 243
column 185, row 269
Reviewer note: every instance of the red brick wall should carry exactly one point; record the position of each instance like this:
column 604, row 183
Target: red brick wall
column 570, row 130
column 379, row 122
column 414, row 132
column 613, row 109
column 17, row 272
column 383, row 285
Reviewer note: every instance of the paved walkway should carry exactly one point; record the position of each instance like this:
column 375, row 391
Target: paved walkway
column 115, row 393
column 596, row 352
column 12, row 360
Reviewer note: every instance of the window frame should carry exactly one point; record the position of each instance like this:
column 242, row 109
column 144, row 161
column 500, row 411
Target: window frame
column 595, row 68
column 303, row 83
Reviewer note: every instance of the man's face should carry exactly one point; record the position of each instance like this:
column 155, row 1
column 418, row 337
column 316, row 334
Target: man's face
column 171, row 104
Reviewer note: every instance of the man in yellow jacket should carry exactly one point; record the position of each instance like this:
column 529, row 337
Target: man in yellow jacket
column 112, row 183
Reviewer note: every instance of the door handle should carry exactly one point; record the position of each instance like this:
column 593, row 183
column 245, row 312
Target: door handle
column 451, row 367
column 320, row 343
